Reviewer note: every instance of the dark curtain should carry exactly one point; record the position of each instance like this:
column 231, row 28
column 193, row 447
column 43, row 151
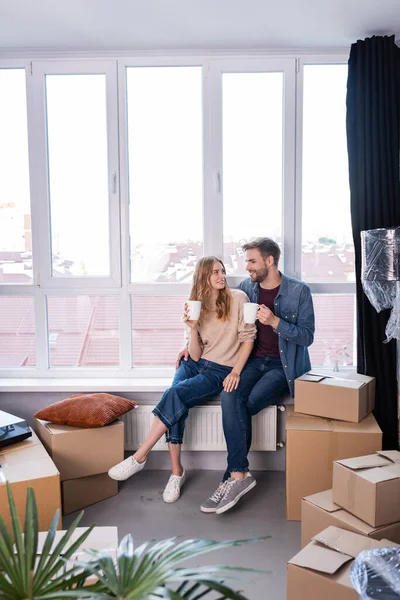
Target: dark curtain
column 373, row 124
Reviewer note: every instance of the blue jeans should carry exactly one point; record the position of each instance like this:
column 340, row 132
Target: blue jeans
column 262, row 383
column 193, row 384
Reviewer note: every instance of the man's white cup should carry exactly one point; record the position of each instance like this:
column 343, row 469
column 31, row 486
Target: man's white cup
column 193, row 311
column 250, row 312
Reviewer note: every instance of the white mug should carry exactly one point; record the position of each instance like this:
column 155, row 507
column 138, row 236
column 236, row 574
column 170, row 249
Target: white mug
column 250, row 312
column 193, row 311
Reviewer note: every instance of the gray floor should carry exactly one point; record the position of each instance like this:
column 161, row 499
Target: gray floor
column 140, row 510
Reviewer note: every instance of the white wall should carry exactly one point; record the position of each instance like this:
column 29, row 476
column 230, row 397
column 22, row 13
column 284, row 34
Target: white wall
column 25, row 405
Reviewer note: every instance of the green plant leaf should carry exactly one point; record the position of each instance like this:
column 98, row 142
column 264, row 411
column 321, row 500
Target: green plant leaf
column 8, row 559
column 127, row 560
column 30, row 538
column 54, row 563
column 223, row 589
column 104, row 569
column 18, row 540
column 7, row 589
column 151, row 572
column 48, row 542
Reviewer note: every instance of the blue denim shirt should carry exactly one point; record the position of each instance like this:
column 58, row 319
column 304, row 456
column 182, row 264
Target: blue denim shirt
column 294, row 307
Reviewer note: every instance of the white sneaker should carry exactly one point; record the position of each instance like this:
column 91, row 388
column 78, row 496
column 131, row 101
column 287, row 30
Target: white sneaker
column 125, row 469
column 173, row 488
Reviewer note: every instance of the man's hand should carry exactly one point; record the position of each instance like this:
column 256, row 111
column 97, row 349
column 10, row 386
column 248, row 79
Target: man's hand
column 182, row 354
column 231, row 381
column 267, row 317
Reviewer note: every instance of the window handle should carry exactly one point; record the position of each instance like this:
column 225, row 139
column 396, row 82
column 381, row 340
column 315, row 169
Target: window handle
column 114, row 182
column 218, row 181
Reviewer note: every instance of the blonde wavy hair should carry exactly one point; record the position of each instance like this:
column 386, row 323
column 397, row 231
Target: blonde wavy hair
column 201, row 289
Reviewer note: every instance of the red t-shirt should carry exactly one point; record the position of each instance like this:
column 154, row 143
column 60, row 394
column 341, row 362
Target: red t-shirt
column 267, row 340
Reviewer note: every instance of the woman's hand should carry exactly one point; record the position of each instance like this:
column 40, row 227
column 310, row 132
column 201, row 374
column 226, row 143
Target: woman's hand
column 191, row 324
column 231, row 381
column 182, row 354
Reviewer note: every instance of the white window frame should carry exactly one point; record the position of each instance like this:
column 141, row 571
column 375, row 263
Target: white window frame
column 41, row 191
column 119, row 283
column 255, row 65
column 324, row 288
column 143, row 288
column 345, row 287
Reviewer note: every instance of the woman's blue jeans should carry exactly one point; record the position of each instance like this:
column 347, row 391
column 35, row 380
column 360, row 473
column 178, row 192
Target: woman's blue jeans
column 193, row 384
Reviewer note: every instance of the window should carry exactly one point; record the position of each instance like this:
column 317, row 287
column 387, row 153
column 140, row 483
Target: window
column 76, row 180
column 117, row 175
column 335, row 317
column 327, row 251
column 15, row 210
column 78, row 175
column 83, row 331
column 252, row 121
column 17, row 332
column 157, row 330
column 327, row 243
column 165, row 145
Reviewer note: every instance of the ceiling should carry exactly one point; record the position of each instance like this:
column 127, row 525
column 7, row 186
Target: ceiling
column 153, row 25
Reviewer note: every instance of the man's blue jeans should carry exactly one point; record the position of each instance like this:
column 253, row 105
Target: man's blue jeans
column 193, row 384
column 262, row 383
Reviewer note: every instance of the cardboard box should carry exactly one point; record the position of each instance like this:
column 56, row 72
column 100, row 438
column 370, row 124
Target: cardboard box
column 369, row 487
column 84, row 491
column 81, row 452
column 104, row 539
column 319, row 512
column 312, row 444
column 322, row 568
column 346, row 396
column 27, row 464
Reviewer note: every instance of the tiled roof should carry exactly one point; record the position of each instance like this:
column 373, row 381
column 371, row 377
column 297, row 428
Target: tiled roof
column 87, row 333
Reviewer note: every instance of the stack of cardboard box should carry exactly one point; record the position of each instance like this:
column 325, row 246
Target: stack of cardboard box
column 349, row 504
column 27, row 464
column 360, row 512
column 83, row 458
column 365, row 499
column 322, row 568
column 331, row 420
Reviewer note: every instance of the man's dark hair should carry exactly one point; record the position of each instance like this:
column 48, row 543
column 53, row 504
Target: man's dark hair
column 266, row 246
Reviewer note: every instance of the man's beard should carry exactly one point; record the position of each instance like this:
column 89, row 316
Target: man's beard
column 260, row 274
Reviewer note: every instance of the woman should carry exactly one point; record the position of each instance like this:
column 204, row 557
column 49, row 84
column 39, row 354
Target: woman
column 219, row 345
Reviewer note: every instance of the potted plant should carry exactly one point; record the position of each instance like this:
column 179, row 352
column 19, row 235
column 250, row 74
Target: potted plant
column 149, row 572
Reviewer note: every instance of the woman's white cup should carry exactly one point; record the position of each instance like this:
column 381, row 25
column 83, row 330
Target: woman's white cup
column 193, row 310
column 250, row 312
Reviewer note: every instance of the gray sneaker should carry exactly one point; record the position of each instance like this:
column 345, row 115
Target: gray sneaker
column 235, row 489
column 210, row 505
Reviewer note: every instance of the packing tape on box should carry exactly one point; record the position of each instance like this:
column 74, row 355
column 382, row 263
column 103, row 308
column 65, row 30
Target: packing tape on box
column 351, row 493
column 332, row 448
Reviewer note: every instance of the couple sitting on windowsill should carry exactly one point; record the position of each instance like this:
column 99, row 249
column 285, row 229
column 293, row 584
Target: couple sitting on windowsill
column 250, row 365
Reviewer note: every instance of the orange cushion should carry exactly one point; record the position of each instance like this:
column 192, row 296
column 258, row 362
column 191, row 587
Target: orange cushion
column 86, row 410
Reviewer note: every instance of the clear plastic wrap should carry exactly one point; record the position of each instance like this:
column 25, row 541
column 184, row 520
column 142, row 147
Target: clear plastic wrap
column 375, row 574
column 380, row 273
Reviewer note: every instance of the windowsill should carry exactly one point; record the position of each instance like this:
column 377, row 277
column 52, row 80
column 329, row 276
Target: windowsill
column 149, row 384
column 111, row 384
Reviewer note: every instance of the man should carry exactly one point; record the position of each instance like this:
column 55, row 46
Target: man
column 285, row 329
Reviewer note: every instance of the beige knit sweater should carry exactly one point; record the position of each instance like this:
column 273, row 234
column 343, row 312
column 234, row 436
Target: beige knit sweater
column 221, row 340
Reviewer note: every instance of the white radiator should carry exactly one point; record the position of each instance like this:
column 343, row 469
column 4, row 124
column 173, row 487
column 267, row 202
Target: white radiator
column 203, row 428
